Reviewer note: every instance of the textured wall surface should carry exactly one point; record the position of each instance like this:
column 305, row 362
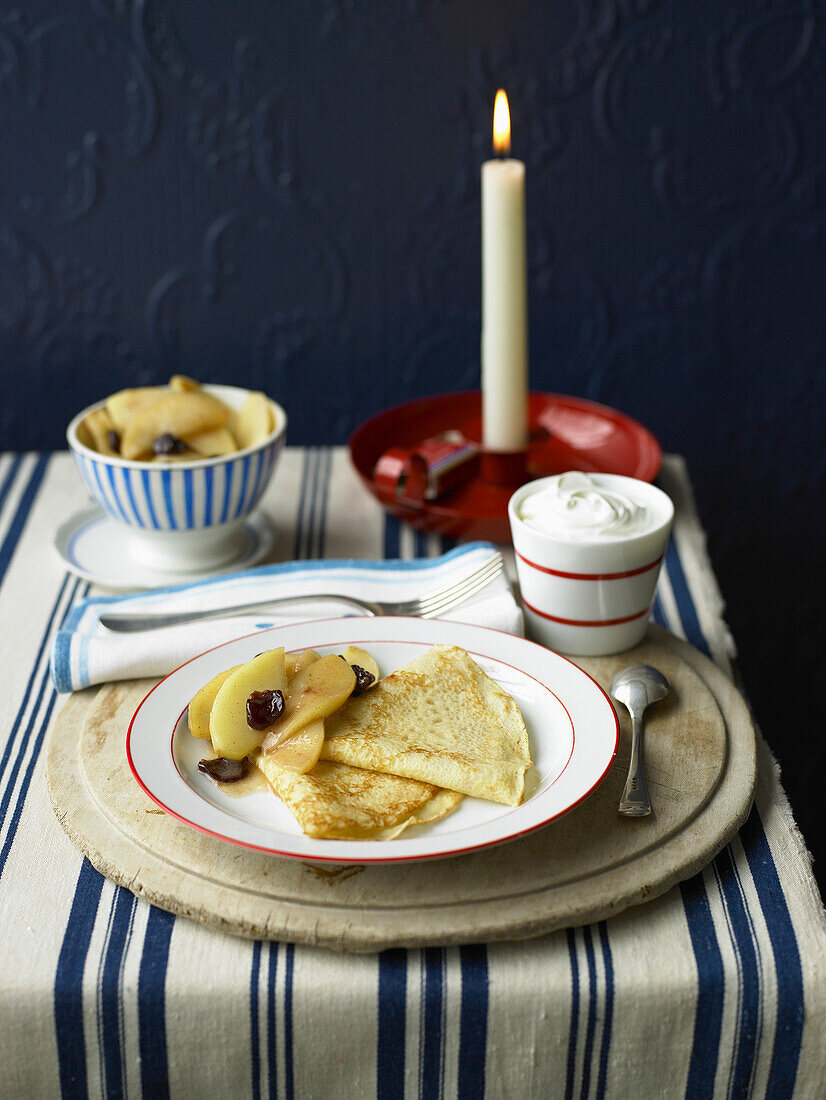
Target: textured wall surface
column 286, row 195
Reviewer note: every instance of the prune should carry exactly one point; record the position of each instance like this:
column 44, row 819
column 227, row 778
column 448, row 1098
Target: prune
column 225, row 771
column 264, row 708
column 364, row 679
column 113, row 439
column 168, row 444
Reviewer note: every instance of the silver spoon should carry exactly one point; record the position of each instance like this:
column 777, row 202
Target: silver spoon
column 636, row 687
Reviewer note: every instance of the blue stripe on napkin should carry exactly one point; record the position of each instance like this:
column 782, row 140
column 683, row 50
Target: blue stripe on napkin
column 70, row 649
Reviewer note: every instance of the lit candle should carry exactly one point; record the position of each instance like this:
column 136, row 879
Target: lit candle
column 504, row 293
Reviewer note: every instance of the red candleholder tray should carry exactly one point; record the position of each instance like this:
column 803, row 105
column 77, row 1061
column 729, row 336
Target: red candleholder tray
column 566, row 433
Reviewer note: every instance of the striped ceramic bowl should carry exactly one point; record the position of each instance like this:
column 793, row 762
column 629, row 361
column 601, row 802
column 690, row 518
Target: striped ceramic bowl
column 188, row 515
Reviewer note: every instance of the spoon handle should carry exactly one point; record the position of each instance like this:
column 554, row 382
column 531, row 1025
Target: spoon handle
column 635, row 801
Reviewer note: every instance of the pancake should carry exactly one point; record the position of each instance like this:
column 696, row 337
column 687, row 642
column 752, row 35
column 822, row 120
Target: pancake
column 439, row 720
column 337, row 802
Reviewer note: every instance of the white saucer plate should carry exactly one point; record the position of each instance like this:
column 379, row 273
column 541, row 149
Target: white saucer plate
column 571, row 723
column 96, row 548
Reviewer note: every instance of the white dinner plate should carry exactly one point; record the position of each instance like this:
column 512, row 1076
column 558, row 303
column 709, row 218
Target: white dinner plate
column 572, row 728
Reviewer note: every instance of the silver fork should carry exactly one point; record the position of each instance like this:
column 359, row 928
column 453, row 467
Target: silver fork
column 426, row 606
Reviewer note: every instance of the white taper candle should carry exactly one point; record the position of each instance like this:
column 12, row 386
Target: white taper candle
column 504, row 295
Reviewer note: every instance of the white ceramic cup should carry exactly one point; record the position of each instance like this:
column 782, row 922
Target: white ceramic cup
column 591, row 596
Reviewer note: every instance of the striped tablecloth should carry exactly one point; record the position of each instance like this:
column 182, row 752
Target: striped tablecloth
column 717, row 988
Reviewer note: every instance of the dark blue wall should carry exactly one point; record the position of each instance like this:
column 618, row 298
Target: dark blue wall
column 286, row 195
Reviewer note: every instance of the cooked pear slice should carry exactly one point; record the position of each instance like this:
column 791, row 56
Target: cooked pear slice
column 201, row 704
column 180, row 383
column 329, row 683
column 96, row 428
column 231, row 736
column 126, row 404
column 355, row 656
column 297, row 663
column 300, row 752
column 180, row 414
column 253, row 422
column 211, row 444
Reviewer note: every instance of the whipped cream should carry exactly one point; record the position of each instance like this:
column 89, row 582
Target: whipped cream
column 573, row 506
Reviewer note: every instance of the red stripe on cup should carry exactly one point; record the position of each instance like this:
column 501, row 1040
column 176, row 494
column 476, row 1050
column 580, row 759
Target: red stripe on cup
column 589, row 576
column 586, row 622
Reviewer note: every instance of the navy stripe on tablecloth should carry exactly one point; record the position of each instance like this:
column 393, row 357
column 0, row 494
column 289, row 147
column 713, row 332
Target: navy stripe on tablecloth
column 24, row 507
column 110, row 981
column 608, row 1010
column 591, row 1023
column 392, row 1009
column 599, row 1007
column 289, row 966
column 151, row 1003
column 255, row 1050
column 473, row 1021
column 431, row 1048
column 788, row 1034
column 303, row 505
column 42, row 708
column 708, row 959
column 27, row 693
column 272, row 1059
column 711, row 978
column 68, row 985
column 749, row 985
column 8, row 480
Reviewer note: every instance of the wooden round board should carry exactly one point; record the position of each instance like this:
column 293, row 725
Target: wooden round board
column 588, row 865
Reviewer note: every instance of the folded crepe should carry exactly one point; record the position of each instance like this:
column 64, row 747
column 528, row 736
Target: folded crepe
column 439, row 720
column 337, row 802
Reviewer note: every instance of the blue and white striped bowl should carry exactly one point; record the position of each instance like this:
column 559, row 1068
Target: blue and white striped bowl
column 186, row 515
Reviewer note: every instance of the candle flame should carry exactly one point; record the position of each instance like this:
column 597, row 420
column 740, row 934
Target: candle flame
column 501, row 125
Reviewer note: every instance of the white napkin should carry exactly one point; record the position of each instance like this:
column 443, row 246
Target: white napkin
column 85, row 653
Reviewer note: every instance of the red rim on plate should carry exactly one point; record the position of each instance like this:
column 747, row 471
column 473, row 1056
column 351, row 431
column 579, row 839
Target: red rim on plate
column 361, row 852
column 567, row 433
